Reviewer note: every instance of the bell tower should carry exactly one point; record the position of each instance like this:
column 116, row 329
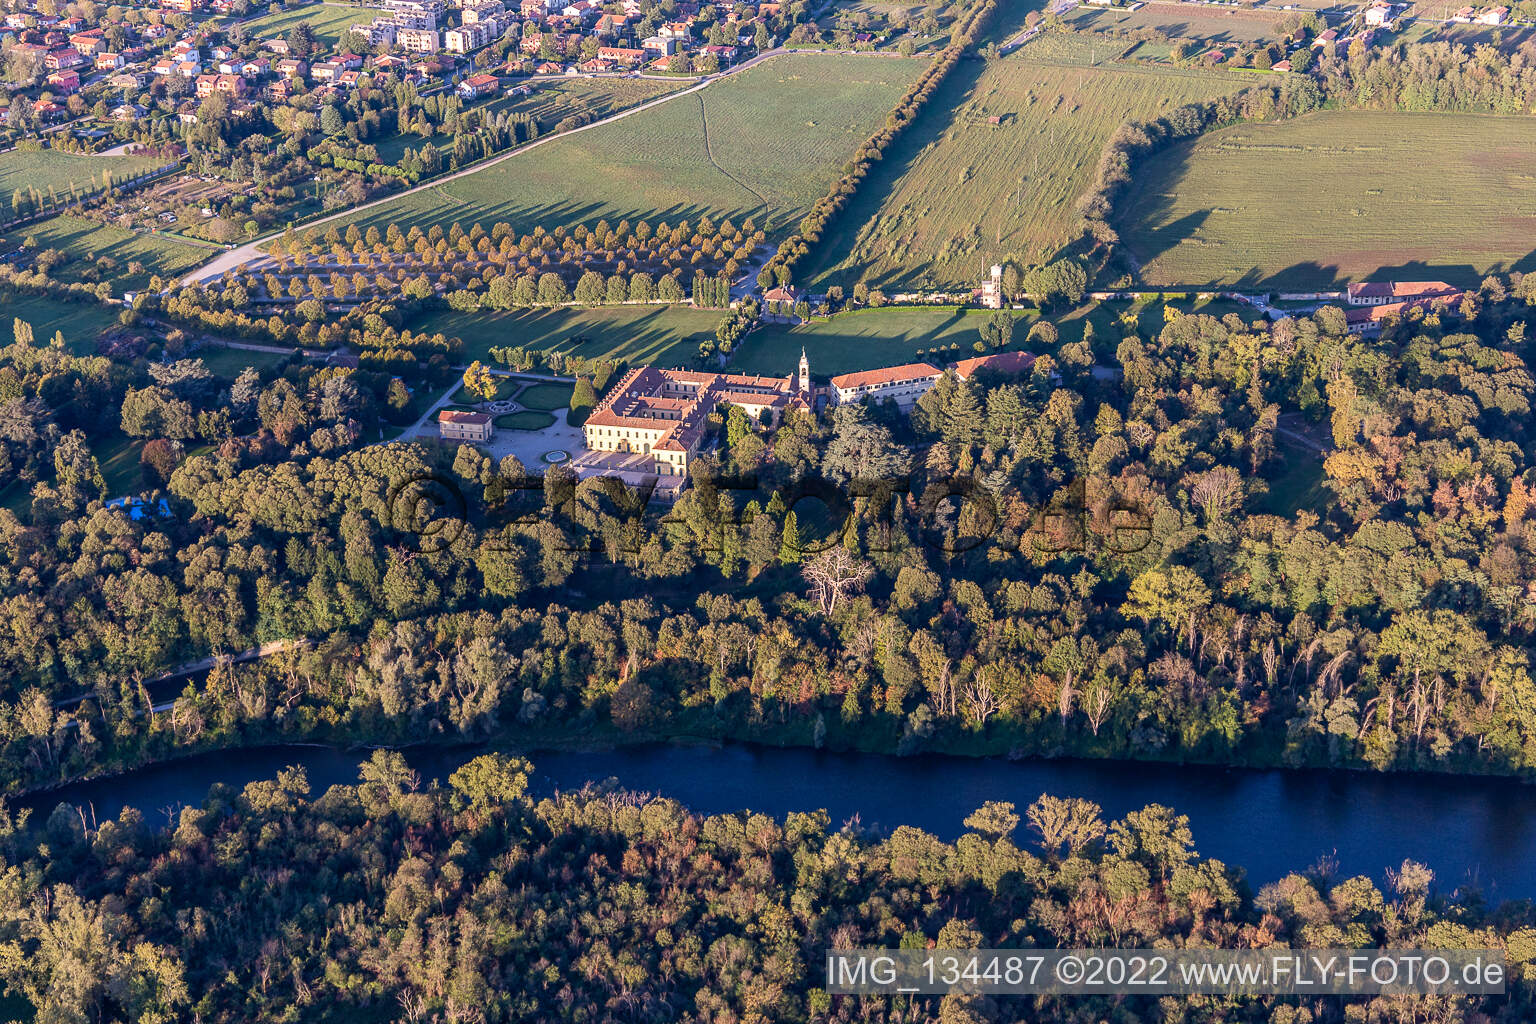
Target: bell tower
column 803, row 379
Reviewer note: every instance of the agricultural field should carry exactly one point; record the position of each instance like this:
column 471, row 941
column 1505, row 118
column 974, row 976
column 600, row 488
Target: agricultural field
column 1444, row 196
column 1198, row 22
column 49, row 168
column 662, row 335
column 764, row 143
column 966, row 191
column 330, row 21
column 87, row 241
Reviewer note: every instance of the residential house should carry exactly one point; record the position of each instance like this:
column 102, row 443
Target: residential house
column 89, row 42
column 659, row 46
column 325, row 71
column 478, row 86
column 106, row 61
column 291, row 67
column 459, row 425
column 256, row 67
column 627, row 56
column 63, row 58
column 1381, row 15
column 66, row 83
column 1492, row 16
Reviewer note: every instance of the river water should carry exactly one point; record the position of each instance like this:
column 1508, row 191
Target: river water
column 1477, row 830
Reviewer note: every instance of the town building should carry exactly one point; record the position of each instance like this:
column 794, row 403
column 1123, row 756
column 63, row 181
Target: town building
column 459, row 425
column 903, row 385
column 417, row 40
column 665, row 413
column 469, row 37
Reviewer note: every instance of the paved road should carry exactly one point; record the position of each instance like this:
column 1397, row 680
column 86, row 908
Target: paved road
column 232, row 258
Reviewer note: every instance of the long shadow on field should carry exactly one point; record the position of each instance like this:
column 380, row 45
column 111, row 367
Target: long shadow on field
column 525, row 217
column 837, row 245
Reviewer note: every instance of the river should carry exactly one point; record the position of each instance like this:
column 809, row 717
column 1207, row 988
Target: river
column 1481, row 830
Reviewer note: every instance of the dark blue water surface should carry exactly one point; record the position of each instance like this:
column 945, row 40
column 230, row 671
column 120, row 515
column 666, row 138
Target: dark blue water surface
column 1467, row 829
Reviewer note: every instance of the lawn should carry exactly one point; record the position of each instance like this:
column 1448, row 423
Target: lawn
column 330, row 21
column 229, row 362
column 50, row 168
column 80, row 322
column 1338, row 196
column 661, row 335
column 763, row 143
column 525, row 420
column 546, row 397
column 958, row 193
column 87, row 240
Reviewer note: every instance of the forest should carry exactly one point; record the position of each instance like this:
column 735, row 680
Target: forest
column 390, row 901
column 1332, row 543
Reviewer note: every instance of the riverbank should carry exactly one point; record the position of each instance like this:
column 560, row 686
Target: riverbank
column 1271, row 822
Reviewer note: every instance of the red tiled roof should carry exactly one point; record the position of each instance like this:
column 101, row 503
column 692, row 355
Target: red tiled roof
column 1001, row 362
column 460, row 416
column 887, row 375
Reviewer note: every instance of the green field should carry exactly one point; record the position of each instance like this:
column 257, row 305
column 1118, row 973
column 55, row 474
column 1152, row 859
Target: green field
column 763, row 143
column 51, row 169
column 86, row 240
column 661, row 335
column 958, row 192
column 80, row 322
column 330, row 21
column 1338, row 196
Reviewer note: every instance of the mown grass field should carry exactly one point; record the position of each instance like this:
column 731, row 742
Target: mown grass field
column 1184, row 21
column 660, row 335
column 79, row 322
column 1338, row 196
column 51, row 169
column 764, row 143
column 330, row 21
column 966, row 192
column 86, row 240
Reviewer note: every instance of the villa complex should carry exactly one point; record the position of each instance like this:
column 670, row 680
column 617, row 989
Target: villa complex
column 664, row 413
